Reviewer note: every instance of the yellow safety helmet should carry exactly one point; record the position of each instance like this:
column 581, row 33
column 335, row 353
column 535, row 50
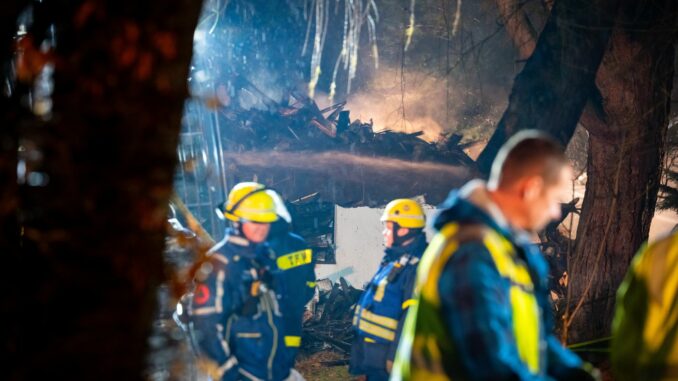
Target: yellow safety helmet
column 250, row 201
column 406, row 213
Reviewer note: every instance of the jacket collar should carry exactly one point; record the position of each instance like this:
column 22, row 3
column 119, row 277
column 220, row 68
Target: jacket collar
column 415, row 249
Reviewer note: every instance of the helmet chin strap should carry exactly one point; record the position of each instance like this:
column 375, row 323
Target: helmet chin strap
column 399, row 241
column 237, row 226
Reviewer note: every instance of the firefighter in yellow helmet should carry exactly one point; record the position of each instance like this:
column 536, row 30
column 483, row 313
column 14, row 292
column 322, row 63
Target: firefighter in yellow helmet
column 381, row 310
column 237, row 323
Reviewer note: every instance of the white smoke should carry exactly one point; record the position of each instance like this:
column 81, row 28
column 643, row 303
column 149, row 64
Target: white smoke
column 421, row 101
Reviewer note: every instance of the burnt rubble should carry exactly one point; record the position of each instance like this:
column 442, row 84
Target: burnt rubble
column 299, row 149
column 328, row 321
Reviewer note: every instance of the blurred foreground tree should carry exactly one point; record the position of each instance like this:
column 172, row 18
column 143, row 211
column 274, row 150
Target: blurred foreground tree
column 91, row 111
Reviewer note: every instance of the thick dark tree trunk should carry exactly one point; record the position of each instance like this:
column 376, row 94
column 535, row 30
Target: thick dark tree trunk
column 94, row 198
column 626, row 120
column 558, row 78
column 10, row 112
column 626, row 149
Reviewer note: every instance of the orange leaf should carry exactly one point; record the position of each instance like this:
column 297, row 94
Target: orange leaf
column 144, row 66
column 166, row 44
column 131, row 31
column 28, row 60
column 84, row 13
column 127, row 57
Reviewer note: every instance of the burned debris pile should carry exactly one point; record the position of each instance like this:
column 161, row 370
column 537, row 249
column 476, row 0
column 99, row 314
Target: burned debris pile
column 327, row 325
column 298, row 149
column 300, row 125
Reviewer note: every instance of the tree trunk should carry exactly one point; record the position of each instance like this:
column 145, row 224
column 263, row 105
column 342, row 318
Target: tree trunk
column 10, row 112
column 93, row 201
column 518, row 27
column 626, row 149
column 626, row 120
column 558, row 78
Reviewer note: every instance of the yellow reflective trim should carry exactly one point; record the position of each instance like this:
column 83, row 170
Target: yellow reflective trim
column 433, row 261
column 526, row 326
column 296, row 259
column 381, row 289
column 368, row 340
column 292, row 341
column 384, row 321
column 524, row 306
column 502, row 254
column 657, row 267
column 249, row 335
column 376, row 330
column 311, row 284
column 409, row 302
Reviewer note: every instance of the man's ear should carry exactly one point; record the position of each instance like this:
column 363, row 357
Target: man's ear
column 532, row 188
column 402, row 232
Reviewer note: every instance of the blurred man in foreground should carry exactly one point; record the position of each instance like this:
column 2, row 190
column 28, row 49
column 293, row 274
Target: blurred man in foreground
column 483, row 310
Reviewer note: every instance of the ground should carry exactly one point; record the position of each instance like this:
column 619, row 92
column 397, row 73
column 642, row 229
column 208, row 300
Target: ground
column 313, row 369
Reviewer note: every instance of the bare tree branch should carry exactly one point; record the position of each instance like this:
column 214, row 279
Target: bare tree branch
column 559, row 77
column 518, row 26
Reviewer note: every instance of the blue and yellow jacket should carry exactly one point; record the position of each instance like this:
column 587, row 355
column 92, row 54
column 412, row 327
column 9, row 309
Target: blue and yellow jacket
column 295, row 284
column 235, row 316
column 482, row 310
column 380, row 313
column 645, row 328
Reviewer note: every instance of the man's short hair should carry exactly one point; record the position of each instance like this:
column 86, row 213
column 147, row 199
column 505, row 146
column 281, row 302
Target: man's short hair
column 527, row 153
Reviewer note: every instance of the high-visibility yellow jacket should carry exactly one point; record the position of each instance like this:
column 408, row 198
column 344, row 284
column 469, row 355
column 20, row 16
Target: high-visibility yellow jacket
column 645, row 328
column 482, row 310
